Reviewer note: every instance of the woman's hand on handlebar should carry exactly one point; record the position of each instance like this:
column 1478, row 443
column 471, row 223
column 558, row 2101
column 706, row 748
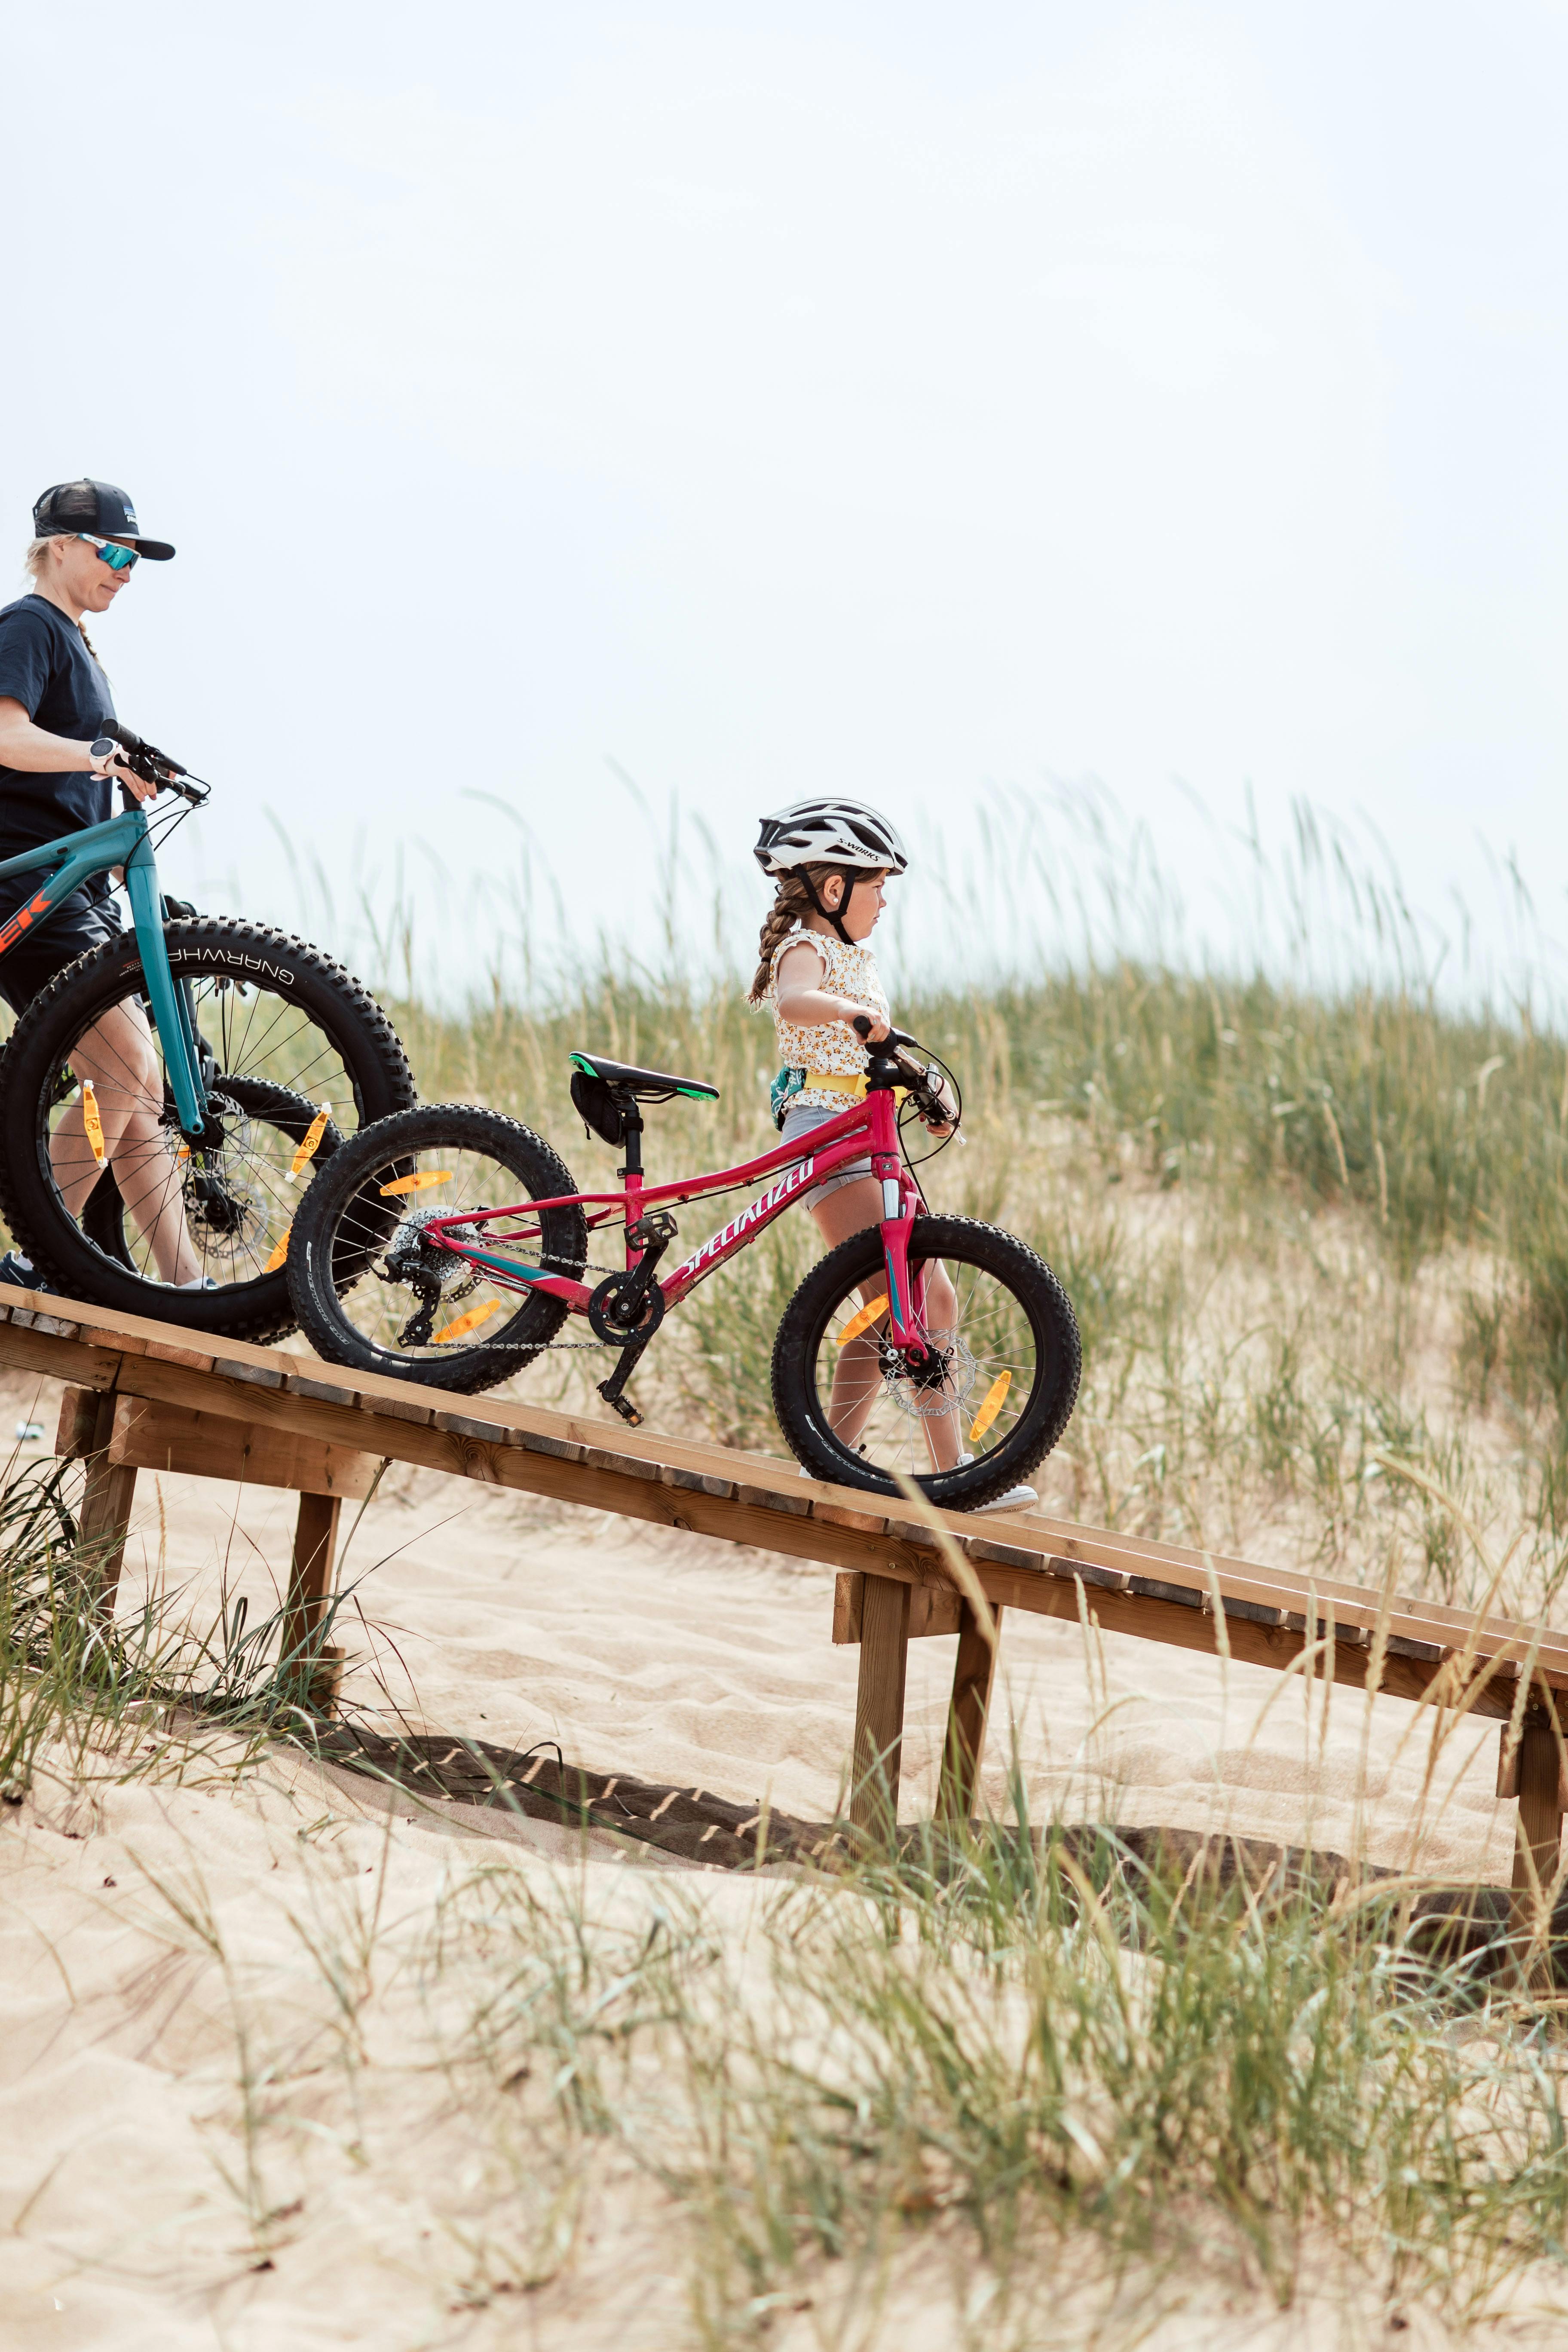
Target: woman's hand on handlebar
column 114, row 765
column 870, row 1027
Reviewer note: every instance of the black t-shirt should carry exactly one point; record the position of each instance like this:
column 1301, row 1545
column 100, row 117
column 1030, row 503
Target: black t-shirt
column 46, row 667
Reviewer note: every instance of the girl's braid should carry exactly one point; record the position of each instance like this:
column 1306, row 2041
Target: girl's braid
column 791, row 903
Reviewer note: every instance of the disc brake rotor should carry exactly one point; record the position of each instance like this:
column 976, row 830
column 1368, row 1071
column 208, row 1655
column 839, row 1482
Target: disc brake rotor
column 927, row 1395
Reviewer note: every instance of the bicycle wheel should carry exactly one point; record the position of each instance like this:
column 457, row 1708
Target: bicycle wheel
column 999, row 1383
column 372, row 1291
column 223, row 1203
column 285, row 1035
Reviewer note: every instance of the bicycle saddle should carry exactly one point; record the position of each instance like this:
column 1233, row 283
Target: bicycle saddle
column 643, row 1086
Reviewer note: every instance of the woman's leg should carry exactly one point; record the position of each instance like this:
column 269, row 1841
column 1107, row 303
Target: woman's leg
column 117, row 1056
column 857, row 1375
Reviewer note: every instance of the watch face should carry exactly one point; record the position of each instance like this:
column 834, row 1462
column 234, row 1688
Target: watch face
column 103, row 743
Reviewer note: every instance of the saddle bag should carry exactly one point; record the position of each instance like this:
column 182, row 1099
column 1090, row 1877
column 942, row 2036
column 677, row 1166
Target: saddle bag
column 597, row 1106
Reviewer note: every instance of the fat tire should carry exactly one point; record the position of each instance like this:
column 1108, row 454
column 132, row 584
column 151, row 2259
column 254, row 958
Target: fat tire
column 347, row 1014
column 800, row 1335
column 315, row 1289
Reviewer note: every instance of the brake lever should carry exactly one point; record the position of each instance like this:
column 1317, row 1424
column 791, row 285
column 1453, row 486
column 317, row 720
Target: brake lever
column 155, row 767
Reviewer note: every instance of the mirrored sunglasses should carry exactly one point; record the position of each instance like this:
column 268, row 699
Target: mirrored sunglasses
column 119, row 559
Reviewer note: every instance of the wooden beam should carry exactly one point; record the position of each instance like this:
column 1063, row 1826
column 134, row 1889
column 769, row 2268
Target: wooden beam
column 974, row 1674
column 1538, row 1837
column 933, row 1608
column 147, row 1436
column 880, row 1711
column 106, row 1504
column 309, row 1593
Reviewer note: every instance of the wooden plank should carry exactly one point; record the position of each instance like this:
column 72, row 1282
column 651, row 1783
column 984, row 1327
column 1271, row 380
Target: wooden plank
column 974, row 1674
column 169, row 1437
column 697, row 1487
column 879, row 1710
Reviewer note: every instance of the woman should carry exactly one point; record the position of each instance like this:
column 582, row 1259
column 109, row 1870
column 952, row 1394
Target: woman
column 54, row 700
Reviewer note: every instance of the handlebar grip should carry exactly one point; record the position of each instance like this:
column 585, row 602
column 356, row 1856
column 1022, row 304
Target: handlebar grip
column 861, row 1024
column 139, row 751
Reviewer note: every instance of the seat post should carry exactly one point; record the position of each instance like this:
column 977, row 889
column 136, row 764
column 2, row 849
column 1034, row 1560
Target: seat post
column 632, row 1119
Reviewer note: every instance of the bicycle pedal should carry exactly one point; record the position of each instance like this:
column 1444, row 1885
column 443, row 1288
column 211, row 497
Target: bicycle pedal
column 625, row 1407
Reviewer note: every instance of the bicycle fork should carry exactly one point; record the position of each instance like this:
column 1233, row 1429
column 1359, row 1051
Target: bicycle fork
column 172, row 1015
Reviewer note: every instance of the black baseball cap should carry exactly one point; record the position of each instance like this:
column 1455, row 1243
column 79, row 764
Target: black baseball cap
column 97, row 508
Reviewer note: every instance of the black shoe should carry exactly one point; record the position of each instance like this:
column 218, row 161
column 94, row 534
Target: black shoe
column 19, row 1272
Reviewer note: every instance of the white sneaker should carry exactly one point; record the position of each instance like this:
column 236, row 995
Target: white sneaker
column 1016, row 1498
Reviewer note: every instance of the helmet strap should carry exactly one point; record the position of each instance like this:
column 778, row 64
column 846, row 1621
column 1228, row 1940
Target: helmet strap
column 846, row 874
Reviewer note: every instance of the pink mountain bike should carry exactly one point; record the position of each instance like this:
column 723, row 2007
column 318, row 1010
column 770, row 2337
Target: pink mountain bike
column 449, row 1244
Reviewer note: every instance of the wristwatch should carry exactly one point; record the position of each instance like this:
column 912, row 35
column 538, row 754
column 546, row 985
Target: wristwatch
column 101, row 745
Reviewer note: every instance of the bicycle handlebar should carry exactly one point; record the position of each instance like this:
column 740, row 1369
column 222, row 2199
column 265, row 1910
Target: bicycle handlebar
column 861, row 1024
column 155, row 767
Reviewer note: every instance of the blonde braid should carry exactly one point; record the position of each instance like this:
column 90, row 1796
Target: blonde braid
column 33, row 565
column 791, row 903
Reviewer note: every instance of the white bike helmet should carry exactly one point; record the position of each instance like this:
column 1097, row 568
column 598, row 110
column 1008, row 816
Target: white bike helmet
column 828, row 833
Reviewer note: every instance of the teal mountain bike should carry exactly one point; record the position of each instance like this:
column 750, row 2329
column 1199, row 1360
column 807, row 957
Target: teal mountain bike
column 167, row 1097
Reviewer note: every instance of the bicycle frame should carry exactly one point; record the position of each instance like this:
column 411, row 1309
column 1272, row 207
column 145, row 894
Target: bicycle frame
column 75, row 859
column 829, row 1150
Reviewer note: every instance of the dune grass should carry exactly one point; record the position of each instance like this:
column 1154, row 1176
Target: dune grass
column 1317, row 1242
column 1317, row 1237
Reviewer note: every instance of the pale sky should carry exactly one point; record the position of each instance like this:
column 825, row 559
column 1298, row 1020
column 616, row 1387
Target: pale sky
column 912, row 401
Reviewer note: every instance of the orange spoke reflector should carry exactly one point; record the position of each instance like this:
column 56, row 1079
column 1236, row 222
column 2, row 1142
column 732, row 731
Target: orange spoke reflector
column 183, row 1154
column 91, row 1121
column 280, row 1253
column 864, row 1320
column 468, row 1322
column 311, row 1139
column 418, row 1184
column 996, row 1398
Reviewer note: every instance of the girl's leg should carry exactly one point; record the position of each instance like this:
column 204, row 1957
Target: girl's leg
column 117, row 1054
column 857, row 1375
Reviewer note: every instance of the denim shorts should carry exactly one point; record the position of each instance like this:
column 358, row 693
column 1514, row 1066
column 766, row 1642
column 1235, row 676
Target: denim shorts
column 800, row 1122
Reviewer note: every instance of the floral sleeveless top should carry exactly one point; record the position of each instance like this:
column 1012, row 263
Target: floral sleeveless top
column 848, row 972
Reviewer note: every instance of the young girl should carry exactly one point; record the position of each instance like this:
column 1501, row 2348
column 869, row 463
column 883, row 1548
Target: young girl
column 832, row 861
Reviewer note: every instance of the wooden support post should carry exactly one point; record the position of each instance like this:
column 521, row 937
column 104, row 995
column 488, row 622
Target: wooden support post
column 309, row 1589
column 972, row 1676
column 107, row 1503
column 879, row 1710
column 1537, row 1778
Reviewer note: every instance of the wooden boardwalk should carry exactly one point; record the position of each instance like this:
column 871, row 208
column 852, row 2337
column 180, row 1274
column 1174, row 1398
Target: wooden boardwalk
column 147, row 1395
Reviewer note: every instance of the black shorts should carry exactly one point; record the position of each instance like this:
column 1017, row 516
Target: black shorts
column 78, row 923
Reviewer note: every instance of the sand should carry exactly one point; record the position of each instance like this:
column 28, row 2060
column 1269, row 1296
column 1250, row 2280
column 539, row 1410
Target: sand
column 153, row 1929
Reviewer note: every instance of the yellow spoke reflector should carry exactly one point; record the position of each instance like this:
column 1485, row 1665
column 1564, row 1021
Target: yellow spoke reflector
column 183, row 1154
column 996, row 1398
column 864, row 1320
column 468, row 1322
column 418, row 1184
column 91, row 1121
column 311, row 1139
column 280, row 1253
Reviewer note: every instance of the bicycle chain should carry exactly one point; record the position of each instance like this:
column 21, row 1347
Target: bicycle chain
column 563, row 1347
